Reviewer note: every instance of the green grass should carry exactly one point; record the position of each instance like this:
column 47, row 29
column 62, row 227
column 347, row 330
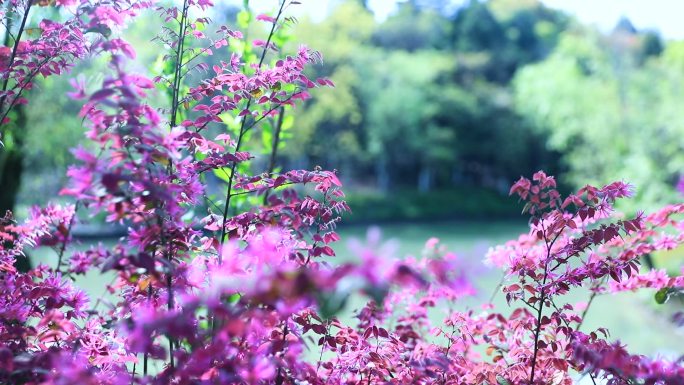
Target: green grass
column 456, row 235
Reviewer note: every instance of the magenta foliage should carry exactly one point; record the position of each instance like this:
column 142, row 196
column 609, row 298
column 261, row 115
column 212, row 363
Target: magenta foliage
column 58, row 45
column 247, row 296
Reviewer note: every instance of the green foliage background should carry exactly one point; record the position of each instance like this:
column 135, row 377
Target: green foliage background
column 433, row 102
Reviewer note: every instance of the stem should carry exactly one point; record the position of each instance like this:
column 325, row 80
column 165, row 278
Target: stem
column 279, row 377
column 586, row 310
column 318, row 231
column 320, row 357
column 542, row 296
column 170, row 306
column 496, row 289
column 145, row 359
column 593, row 380
column 145, row 355
column 175, row 104
column 66, row 237
column 241, row 135
column 179, row 65
column 265, row 189
column 13, row 55
column 27, row 81
column 169, row 277
column 536, row 337
column 540, row 310
column 274, row 150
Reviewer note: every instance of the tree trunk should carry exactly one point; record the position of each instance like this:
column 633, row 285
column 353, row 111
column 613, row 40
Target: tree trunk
column 382, row 173
column 12, row 169
column 425, row 179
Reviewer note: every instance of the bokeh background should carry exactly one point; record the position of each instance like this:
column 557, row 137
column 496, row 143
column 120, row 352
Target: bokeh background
column 438, row 107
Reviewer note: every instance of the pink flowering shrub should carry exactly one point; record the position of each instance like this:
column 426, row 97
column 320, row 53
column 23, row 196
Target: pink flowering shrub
column 58, row 45
column 239, row 291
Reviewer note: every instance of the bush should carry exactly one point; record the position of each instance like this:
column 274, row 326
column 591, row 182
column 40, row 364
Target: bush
column 241, row 299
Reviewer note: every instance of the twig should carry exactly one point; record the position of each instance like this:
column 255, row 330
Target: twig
column 226, row 207
column 274, row 150
column 66, row 236
column 14, row 50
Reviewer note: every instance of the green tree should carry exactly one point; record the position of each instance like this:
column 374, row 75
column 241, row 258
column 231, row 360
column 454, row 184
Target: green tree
column 402, row 132
column 335, row 114
column 413, row 28
column 610, row 116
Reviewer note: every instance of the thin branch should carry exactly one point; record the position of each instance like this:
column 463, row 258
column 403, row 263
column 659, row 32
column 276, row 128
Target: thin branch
column 13, row 55
column 66, row 236
column 274, row 150
column 586, row 309
column 175, row 103
column 25, row 84
column 226, row 207
column 540, row 310
column 145, row 355
column 262, row 189
column 496, row 289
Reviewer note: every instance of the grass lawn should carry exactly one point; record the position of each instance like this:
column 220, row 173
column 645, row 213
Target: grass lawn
column 633, row 318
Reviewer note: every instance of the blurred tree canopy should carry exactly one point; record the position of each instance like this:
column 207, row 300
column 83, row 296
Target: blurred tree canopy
column 611, row 105
column 423, row 98
column 440, row 98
